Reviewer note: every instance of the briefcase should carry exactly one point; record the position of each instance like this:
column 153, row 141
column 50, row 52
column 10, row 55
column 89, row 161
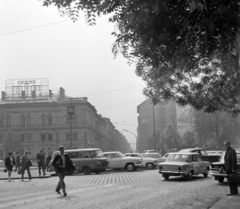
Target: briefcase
column 234, row 177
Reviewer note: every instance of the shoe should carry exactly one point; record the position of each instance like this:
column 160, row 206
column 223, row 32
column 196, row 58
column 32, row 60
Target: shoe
column 232, row 194
column 65, row 194
column 58, row 192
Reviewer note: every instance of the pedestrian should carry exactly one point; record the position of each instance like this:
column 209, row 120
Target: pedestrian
column 18, row 165
column 9, row 163
column 48, row 159
column 62, row 164
column 41, row 162
column 26, row 163
column 230, row 166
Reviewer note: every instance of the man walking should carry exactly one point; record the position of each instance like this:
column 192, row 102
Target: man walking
column 41, row 162
column 17, row 162
column 62, row 164
column 26, row 163
column 230, row 166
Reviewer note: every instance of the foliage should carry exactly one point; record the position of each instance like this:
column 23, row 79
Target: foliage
column 189, row 139
column 11, row 141
column 169, row 137
column 186, row 50
column 216, row 128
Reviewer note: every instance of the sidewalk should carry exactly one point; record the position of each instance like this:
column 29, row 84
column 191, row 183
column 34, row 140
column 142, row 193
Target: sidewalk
column 15, row 175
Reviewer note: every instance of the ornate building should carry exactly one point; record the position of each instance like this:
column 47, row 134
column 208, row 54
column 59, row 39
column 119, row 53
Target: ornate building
column 42, row 120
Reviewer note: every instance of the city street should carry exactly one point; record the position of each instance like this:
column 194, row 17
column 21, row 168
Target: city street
column 113, row 189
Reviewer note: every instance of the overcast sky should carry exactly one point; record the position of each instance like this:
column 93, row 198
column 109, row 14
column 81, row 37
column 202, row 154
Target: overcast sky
column 74, row 56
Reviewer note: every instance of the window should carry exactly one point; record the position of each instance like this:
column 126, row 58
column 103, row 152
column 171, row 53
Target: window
column 43, row 137
column 22, row 137
column 43, row 120
column 2, row 121
column 86, row 154
column 29, row 137
column 23, row 122
column 75, row 136
column 50, row 137
column 73, row 154
column 199, row 159
column 28, row 120
column 49, row 119
column 8, row 122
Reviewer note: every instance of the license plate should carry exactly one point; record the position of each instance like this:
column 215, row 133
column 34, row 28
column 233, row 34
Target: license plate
column 171, row 168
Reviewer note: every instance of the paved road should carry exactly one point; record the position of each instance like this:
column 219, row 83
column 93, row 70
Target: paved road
column 120, row 189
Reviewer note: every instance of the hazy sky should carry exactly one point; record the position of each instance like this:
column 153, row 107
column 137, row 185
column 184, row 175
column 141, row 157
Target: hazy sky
column 74, row 56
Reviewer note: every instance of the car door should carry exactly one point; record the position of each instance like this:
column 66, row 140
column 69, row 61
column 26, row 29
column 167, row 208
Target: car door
column 196, row 164
column 202, row 164
column 115, row 161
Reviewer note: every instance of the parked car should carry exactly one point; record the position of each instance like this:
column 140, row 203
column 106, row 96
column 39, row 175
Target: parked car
column 116, row 160
column 155, row 155
column 202, row 152
column 2, row 164
column 85, row 160
column 217, row 168
column 148, row 162
column 163, row 158
column 184, row 164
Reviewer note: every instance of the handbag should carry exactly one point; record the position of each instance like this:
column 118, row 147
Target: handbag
column 5, row 170
column 234, row 177
column 30, row 163
column 20, row 171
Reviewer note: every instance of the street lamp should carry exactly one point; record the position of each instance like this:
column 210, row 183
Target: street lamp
column 133, row 135
column 70, row 111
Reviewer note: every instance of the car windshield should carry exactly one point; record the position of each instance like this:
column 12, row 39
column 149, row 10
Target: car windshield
column 177, row 158
column 98, row 153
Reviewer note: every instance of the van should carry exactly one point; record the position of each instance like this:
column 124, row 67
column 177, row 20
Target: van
column 85, row 161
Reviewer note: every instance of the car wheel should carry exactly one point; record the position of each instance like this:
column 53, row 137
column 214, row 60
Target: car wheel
column 130, row 167
column 221, row 179
column 189, row 176
column 166, row 177
column 206, row 173
column 150, row 166
column 86, row 170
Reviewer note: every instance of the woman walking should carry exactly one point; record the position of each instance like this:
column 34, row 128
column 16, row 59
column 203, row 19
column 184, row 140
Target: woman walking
column 9, row 163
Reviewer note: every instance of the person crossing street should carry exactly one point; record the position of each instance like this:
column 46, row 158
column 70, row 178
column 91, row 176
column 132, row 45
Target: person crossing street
column 41, row 162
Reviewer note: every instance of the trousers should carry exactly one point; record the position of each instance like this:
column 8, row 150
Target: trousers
column 61, row 184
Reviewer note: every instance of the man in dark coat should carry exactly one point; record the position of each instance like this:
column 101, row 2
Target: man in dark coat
column 63, row 165
column 41, row 162
column 230, row 166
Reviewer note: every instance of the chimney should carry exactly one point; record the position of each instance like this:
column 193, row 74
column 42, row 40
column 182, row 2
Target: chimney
column 62, row 93
column 3, row 95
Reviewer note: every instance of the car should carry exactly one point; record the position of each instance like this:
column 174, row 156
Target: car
column 155, row 155
column 214, row 152
column 148, row 162
column 205, row 156
column 89, row 160
column 2, row 164
column 116, row 160
column 163, row 158
column 184, row 164
column 217, row 168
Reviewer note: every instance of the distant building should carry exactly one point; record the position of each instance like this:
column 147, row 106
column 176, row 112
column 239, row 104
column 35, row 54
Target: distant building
column 41, row 119
column 171, row 122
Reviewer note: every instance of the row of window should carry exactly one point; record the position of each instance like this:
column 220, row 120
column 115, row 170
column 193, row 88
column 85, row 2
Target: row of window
column 26, row 120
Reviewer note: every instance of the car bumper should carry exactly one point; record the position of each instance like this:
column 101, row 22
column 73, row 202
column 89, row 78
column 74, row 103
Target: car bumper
column 173, row 173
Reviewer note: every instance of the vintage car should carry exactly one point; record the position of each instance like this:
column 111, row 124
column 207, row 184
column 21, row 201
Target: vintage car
column 205, row 156
column 164, row 157
column 217, row 168
column 155, row 155
column 88, row 160
column 116, row 160
column 148, row 162
column 183, row 164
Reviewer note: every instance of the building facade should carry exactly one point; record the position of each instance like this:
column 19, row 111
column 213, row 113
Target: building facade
column 43, row 122
column 163, row 123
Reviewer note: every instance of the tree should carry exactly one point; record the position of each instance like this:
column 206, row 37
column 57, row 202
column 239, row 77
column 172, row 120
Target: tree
column 189, row 139
column 11, row 141
column 186, row 50
column 214, row 129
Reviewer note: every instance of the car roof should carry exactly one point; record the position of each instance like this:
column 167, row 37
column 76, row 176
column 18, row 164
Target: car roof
column 77, row 150
column 150, row 153
column 130, row 153
column 111, row 152
column 184, row 153
column 191, row 149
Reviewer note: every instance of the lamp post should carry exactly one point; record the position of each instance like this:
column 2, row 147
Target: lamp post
column 133, row 135
column 154, row 132
column 70, row 111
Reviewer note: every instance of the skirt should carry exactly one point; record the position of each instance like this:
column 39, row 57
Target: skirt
column 9, row 168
